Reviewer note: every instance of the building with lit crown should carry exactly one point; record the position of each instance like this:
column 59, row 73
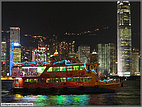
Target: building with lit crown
column 15, row 46
column 94, row 57
column 124, row 45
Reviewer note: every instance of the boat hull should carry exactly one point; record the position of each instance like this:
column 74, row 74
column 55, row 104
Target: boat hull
column 80, row 90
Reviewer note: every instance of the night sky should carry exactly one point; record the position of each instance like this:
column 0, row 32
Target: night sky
column 47, row 18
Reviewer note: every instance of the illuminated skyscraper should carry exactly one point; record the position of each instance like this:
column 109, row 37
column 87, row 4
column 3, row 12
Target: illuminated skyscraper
column 15, row 47
column 17, row 52
column 5, row 47
column 124, row 45
column 3, row 57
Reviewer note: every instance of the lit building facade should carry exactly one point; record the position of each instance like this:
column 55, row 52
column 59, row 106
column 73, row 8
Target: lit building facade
column 15, row 47
column 135, row 62
column 71, row 48
column 84, row 54
column 63, row 50
column 5, row 47
column 124, row 45
column 17, row 52
column 15, row 34
column 53, row 42
column 3, row 57
column 26, row 54
column 39, row 54
column 107, row 59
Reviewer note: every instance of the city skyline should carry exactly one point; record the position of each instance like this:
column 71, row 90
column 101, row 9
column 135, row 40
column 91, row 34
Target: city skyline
column 57, row 18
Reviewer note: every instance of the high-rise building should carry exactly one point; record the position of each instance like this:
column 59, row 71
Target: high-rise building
column 135, row 62
column 17, row 52
column 84, row 54
column 107, row 59
column 26, row 54
column 124, row 45
column 15, row 34
column 3, row 57
column 71, row 48
column 5, row 52
column 63, row 49
column 39, row 54
column 15, row 47
column 53, row 42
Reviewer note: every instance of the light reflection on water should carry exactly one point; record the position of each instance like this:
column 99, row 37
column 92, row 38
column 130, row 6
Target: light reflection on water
column 81, row 100
column 52, row 100
column 124, row 96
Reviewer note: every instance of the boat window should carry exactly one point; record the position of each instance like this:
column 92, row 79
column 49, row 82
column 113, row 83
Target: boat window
column 25, row 70
column 42, row 80
column 77, row 79
column 69, row 79
column 89, row 78
column 74, row 79
column 56, row 69
column 75, row 67
column 61, row 79
column 81, row 67
column 31, row 80
column 69, row 68
column 64, row 79
column 49, row 80
column 35, row 80
column 32, row 70
column 54, row 80
column 27, row 80
column 57, row 80
column 86, row 78
column 82, row 79
column 62, row 68
column 49, row 69
column 40, row 69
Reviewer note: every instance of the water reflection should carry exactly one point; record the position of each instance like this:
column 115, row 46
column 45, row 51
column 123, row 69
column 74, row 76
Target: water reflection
column 52, row 100
column 127, row 95
column 118, row 98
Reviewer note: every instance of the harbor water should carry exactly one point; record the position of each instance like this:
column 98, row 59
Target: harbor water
column 129, row 94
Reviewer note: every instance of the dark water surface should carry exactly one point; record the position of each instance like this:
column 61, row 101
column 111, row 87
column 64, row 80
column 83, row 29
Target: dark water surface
column 129, row 94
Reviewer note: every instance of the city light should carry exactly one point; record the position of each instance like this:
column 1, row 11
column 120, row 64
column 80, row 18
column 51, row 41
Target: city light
column 71, row 54
column 16, row 44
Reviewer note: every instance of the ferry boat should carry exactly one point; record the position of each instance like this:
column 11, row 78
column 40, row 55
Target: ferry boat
column 67, row 76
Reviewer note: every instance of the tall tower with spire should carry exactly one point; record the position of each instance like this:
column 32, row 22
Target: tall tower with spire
column 124, row 41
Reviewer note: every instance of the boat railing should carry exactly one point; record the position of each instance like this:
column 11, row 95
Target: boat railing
column 106, row 81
